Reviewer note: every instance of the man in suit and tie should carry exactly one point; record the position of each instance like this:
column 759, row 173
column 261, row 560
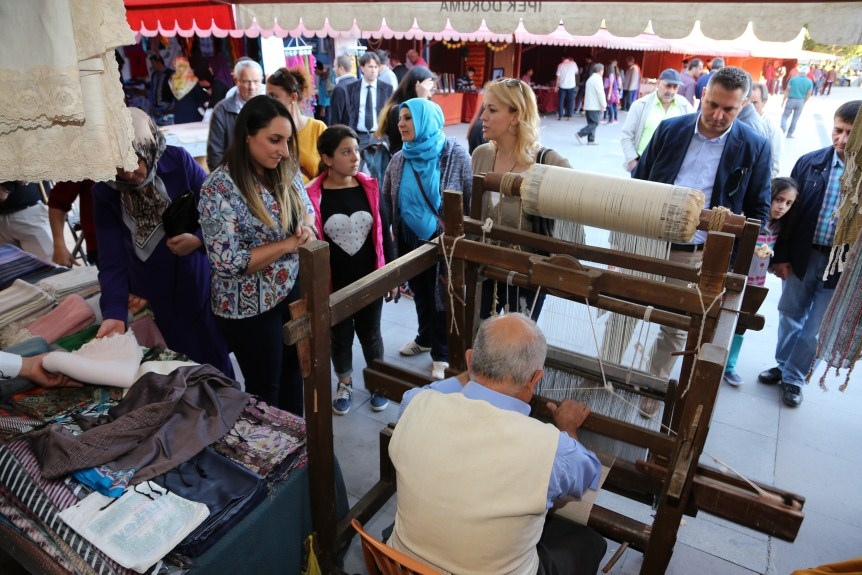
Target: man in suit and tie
column 363, row 100
column 709, row 151
column 344, row 76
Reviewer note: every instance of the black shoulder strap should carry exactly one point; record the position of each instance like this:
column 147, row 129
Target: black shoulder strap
column 540, row 158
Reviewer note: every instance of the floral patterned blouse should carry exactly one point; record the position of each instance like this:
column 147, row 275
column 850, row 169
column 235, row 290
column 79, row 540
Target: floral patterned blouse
column 230, row 231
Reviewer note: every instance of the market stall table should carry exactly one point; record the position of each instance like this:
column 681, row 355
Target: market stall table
column 547, row 100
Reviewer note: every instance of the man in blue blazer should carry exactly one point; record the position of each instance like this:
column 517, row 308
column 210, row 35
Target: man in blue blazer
column 711, row 152
column 801, row 258
column 361, row 114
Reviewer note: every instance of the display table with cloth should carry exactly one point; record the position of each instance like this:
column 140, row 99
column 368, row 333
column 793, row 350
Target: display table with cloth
column 275, row 525
column 451, row 106
column 471, row 102
column 547, row 99
column 192, row 136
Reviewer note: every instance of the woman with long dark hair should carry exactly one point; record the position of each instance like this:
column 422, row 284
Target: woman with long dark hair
column 255, row 214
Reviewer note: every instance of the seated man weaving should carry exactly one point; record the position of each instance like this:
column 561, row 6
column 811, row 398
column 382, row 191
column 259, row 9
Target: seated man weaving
column 476, row 476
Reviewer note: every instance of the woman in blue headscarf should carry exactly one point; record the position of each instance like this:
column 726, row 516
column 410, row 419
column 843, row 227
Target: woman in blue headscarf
column 412, row 193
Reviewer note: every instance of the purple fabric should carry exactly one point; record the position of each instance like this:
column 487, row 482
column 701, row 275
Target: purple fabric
column 176, row 287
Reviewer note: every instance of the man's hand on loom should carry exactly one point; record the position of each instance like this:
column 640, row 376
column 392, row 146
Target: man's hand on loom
column 569, row 415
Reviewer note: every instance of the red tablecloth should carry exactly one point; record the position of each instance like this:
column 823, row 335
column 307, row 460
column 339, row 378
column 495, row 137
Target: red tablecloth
column 451, row 105
column 471, row 102
column 547, row 99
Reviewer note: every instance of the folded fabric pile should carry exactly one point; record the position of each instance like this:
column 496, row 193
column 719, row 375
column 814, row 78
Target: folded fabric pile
column 15, row 263
column 71, row 316
column 112, row 360
column 22, row 300
column 83, row 281
column 33, row 504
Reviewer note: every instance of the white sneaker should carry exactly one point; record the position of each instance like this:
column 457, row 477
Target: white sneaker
column 438, row 369
column 413, row 348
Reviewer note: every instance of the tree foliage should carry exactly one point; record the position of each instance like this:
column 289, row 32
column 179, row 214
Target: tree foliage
column 846, row 53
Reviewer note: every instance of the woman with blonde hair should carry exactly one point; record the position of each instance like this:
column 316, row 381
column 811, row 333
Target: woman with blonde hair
column 255, row 214
column 292, row 87
column 510, row 124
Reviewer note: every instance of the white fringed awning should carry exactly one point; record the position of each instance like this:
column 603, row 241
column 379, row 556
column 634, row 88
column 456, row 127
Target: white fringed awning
column 829, row 22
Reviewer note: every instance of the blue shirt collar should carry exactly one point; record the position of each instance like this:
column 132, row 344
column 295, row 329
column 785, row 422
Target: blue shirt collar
column 474, row 390
column 704, row 138
column 836, row 159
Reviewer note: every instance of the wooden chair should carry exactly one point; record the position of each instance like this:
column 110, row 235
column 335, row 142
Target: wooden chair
column 380, row 559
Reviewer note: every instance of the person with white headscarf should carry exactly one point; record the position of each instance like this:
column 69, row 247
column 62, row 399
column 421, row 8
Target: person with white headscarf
column 136, row 255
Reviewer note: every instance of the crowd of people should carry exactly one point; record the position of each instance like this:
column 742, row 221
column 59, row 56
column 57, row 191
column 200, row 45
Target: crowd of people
column 279, row 179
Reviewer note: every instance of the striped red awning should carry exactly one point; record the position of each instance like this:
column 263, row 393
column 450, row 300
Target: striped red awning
column 170, row 14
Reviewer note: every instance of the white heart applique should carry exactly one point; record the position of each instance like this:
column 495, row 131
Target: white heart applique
column 348, row 233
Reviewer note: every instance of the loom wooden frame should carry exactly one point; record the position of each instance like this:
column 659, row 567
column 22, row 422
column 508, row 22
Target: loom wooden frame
column 671, row 478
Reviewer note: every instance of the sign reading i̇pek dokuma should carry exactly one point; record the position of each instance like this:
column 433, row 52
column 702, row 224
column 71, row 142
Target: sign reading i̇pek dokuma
column 490, row 6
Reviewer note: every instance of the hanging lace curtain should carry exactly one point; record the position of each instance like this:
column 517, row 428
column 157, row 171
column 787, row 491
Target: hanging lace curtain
column 62, row 108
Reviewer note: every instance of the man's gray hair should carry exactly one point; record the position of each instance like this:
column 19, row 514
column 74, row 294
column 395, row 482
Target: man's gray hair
column 761, row 87
column 344, row 62
column 245, row 65
column 501, row 358
column 716, row 64
column 384, row 57
column 731, row 78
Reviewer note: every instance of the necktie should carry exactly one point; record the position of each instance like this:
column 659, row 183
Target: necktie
column 369, row 110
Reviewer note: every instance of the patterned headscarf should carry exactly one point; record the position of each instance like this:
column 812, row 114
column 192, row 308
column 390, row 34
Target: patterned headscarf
column 144, row 204
column 183, row 79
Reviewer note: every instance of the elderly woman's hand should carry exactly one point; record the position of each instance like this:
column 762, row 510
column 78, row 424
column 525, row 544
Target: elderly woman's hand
column 184, row 244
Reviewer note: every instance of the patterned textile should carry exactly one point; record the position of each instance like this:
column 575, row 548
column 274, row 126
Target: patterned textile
column 263, row 440
column 839, row 342
column 824, row 233
column 45, row 403
column 230, row 230
column 849, row 225
column 759, row 265
column 16, row 263
column 33, row 531
column 26, row 493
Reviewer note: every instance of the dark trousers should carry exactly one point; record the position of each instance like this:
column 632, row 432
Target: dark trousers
column 629, row 96
column 579, row 98
column 593, row 118
column 427, row 295
column 366, row 325
column 566, row 548
column 566, row 104
column 270, row 368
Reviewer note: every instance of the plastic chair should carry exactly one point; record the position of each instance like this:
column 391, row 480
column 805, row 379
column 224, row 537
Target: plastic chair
column 381, row 559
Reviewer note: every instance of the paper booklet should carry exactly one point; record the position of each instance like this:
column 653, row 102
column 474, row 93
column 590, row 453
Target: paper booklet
column 139, row 528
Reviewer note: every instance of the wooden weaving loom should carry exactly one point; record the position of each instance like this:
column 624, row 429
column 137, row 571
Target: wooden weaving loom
column 671, row 479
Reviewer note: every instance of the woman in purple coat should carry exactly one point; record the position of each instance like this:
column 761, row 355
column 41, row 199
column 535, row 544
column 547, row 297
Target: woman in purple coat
column 136, row 256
